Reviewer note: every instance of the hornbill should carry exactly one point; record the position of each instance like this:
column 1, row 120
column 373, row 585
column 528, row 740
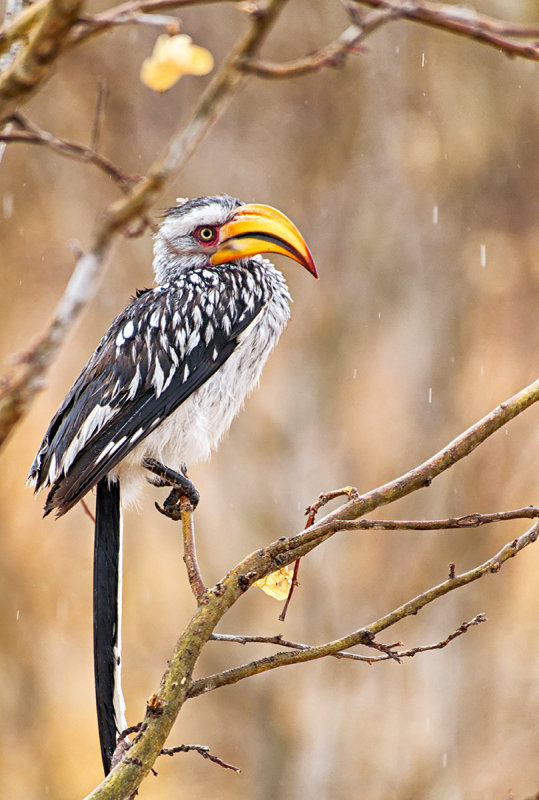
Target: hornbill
column 165, row 383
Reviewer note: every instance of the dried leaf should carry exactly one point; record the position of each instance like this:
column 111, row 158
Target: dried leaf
column 172, row 57
column 277, row 584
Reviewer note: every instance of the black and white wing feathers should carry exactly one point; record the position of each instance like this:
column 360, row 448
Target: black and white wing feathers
column 158, row 351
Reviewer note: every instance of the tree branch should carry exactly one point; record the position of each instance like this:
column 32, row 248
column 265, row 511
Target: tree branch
column 417, row 478
column 48, row 27
column 332, row 55
column 466, row 521
column 281, row 642
column 465, row 22
column 132, row 12
column 22, row 130
column 202, row 750
column 366, row 635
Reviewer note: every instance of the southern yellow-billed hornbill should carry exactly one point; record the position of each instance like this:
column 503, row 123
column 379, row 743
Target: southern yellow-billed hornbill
column 165, row 383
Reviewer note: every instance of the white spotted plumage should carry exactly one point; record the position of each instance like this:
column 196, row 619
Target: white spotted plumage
column 163, row 340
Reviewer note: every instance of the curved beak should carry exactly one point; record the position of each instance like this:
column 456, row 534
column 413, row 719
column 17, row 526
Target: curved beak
column 258, row 229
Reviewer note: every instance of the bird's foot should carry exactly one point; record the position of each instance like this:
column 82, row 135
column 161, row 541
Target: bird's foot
column 182, row 487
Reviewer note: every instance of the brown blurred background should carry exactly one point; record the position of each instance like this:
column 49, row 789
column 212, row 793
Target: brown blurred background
column 413, row 174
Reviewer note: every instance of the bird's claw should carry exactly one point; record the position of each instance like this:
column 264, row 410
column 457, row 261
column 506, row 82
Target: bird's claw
column 182, row 488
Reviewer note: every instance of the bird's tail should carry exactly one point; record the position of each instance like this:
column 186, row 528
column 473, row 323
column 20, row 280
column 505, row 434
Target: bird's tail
column 108, row 618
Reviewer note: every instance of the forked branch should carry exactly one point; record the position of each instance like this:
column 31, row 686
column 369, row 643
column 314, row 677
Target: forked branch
column 366, row 634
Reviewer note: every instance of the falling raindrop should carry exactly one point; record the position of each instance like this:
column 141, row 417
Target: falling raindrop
column 435, row 215
column 7, row 205
column 483, row 254
column 430, row 394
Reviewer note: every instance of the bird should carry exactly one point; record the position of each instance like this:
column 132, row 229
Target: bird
column 163, row 386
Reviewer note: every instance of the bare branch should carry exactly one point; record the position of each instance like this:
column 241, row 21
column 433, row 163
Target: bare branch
column 464, row 628
column 22, row 130
column 332, row 55
column 366, row 635
column 466, row 22
column 466, row 521
column 133, row 12
column 281, row 642
column 201, row 750
column 417, row 478
column 32, row 65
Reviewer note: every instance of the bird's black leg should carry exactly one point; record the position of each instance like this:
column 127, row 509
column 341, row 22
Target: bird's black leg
column 180, row 483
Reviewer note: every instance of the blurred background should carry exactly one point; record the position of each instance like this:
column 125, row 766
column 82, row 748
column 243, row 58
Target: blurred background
column 413, row 175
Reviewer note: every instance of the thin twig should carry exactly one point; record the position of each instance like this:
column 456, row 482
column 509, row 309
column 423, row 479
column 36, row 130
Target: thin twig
column 27, row 132
column 464, row 628
column 87, row 510
column 201, row 750
column 99, row 113
column 311, row 512
column 466, row 521
column 132, row 12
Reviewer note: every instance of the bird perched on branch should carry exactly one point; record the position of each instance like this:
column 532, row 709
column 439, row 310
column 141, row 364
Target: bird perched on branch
column 163, row 386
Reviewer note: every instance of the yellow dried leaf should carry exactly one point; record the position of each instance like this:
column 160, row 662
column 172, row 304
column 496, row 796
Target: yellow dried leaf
column 172, row 57
column 277, row 584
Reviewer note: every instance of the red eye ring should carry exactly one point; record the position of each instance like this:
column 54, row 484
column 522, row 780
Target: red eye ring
column 207, row 234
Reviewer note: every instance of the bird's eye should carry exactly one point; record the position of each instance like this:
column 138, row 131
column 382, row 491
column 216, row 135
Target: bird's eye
column 206, row 234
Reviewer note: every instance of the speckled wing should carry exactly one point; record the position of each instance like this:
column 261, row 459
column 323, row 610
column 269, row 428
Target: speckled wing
column 157, row 352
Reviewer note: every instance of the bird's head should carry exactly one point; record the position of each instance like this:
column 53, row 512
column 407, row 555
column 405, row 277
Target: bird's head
column 210, row 231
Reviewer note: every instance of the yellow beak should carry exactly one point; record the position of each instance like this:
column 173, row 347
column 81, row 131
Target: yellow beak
column 258, row 229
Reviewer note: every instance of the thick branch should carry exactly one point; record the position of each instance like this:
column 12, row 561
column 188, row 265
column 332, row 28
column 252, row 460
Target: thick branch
column 15, row 28
column 34, row 61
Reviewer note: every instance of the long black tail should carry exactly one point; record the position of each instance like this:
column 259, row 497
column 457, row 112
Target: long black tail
column 108, row 617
